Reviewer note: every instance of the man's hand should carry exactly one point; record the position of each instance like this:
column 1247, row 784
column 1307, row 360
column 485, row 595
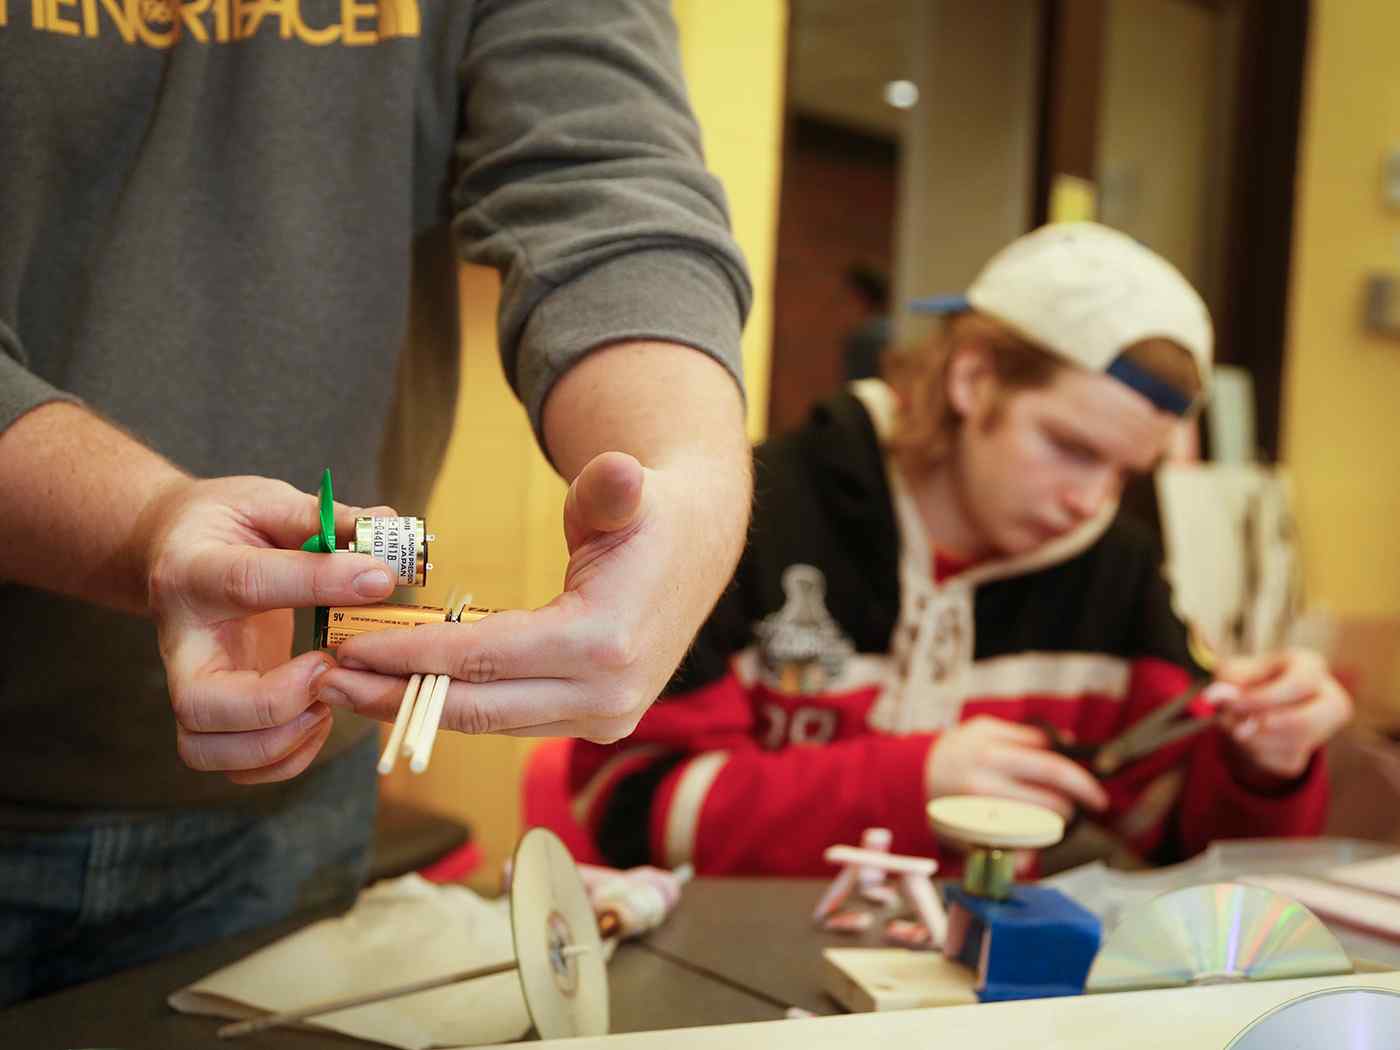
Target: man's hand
column 994, row 757
column 652, row 436
column 1288, row 705
column 587, row 664
column 221, row 584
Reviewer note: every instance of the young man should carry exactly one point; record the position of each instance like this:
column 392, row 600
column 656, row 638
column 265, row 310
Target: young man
column 979, row 589
column 220, row 225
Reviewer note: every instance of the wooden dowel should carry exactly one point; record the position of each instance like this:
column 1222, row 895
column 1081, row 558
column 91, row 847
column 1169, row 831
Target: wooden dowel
column 427, row 732
column 396, row 735
column 420, row 711
column 258, row 1024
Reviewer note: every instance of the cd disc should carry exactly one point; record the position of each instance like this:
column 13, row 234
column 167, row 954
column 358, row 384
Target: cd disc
column 1215, row 934
column 1333, row 1019
column 562, row 970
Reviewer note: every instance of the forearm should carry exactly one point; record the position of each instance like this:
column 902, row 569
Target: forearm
column 79, row 494
column 680, row 413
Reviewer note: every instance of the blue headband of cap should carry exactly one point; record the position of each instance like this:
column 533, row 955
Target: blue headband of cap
column 941, row 304
column 1162, row 394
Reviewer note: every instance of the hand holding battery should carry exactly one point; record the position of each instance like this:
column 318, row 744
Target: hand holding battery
column 221, row 587
column 999, row 759
column 587, row 664
column 1287, row 704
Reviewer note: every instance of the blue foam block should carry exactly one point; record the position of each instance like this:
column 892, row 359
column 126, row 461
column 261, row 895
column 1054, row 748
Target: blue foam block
column 1040, row 943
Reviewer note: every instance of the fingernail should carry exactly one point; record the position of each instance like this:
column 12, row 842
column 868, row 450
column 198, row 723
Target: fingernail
column 318, row 671
column 312, row 716
column 368, row 584
column 332, row 696
column 1246, row 729
column 1221, row 693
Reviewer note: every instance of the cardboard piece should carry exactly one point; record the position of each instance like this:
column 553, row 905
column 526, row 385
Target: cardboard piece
column 399, row 931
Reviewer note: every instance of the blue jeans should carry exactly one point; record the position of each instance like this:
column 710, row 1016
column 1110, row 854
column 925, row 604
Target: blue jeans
column 88, row 900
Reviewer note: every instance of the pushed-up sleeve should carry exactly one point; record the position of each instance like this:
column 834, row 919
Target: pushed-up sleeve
column 581, row 179
column 20, row 389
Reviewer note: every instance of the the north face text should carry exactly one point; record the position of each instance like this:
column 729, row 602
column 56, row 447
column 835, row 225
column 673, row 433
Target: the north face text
column 161, row 23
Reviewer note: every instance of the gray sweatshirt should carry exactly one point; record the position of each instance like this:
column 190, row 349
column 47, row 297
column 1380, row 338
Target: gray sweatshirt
column 230, row 228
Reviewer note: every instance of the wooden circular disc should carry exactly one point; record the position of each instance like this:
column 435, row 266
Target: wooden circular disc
column 566, row 993
column 997, row 823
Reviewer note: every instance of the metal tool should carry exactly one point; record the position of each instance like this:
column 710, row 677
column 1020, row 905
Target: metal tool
column 1163, row 725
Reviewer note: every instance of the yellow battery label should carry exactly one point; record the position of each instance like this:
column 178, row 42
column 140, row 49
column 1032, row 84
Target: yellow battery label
column 346, row 621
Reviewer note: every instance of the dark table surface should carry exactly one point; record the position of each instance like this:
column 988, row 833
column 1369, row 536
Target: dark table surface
column 738, row 949
column 758, row 934
column 128, row 1011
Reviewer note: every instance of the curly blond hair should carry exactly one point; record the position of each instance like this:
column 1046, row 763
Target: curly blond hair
column 928, row 425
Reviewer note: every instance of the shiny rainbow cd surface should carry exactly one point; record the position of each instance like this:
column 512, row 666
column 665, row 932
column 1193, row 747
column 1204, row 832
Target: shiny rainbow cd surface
column 1215, row 934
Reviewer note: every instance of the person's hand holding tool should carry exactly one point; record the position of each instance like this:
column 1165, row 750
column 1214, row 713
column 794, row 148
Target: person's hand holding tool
column 994, row 757
column 587, row 664
column 221, row 585
column 652, row 437
column 1287, row 705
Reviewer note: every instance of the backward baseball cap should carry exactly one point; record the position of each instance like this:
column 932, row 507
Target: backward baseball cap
column 1087, row 292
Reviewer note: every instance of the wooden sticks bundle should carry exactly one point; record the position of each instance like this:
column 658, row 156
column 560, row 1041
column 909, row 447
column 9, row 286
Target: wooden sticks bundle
column 420, row 713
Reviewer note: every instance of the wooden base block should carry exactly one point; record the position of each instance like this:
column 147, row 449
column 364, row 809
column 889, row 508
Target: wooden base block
column 868, row 980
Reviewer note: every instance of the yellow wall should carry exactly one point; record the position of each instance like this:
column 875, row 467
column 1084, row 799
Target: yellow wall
column 1341, row 427
column 736, row 66
column 1342, row 395
column 497, row 505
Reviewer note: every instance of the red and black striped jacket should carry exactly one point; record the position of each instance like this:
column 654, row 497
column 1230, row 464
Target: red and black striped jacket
column 734, row 773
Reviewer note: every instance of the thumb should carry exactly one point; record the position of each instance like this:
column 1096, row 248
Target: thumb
column 605, row 497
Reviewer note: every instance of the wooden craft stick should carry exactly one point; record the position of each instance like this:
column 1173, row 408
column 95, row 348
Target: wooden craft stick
column 921, row 894
column 894, row 862
column 837, row 892
column 396, row 735
column 420, row 712
column 427, row 732
column 258, row 1024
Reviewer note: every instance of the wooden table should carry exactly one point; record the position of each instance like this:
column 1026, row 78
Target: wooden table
column 737, row 950
column 128, row 1010
column 757, row 934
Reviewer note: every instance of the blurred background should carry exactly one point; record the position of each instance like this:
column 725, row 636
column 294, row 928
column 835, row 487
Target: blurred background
column 879, row 150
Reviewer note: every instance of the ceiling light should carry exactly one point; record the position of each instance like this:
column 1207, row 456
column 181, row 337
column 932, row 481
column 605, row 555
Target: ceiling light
column 902, row 94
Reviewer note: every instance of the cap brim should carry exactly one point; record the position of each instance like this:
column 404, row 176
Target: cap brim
column 941, row 304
